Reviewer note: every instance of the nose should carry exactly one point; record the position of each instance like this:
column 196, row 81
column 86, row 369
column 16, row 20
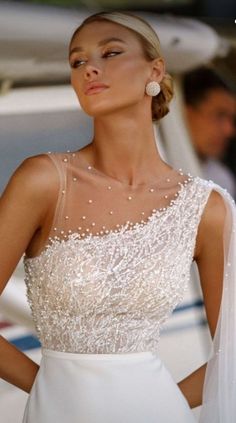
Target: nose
column 91, row 71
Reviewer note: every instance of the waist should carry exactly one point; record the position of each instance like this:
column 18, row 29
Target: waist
column 108, row 356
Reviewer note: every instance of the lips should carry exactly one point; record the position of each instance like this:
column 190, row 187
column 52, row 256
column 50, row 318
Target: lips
column 93, row 88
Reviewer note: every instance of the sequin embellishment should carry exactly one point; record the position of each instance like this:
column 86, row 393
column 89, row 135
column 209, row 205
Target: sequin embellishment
column 112, row 293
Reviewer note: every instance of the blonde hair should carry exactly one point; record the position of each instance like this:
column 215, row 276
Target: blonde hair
column 151, row 47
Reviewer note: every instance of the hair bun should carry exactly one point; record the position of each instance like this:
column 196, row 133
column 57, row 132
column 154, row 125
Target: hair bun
column 160, row 103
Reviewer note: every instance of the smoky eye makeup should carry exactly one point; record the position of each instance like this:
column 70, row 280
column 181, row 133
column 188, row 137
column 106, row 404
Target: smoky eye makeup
column 75, row 63
column 108, row 52
column 111, row 52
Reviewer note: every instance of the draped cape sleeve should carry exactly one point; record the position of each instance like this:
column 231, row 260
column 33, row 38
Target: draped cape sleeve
column 219, row 391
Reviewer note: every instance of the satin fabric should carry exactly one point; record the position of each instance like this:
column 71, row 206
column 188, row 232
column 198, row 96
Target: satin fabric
column 105, row 388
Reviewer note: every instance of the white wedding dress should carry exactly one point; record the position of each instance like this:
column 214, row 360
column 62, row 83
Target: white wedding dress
column 115, row 265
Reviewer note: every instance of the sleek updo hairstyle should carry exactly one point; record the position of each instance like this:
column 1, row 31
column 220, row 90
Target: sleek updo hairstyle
column 151, row 48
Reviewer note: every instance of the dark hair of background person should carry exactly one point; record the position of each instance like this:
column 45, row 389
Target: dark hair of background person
column 199, row 82
column 196, row 85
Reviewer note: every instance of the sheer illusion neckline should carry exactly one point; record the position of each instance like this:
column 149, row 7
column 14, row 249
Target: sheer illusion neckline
column 123, row 229
column 96, row 171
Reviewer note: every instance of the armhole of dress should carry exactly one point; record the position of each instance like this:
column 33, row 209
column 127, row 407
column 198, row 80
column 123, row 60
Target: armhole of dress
column 61, row 197
column 206, row 196
column 201, row 207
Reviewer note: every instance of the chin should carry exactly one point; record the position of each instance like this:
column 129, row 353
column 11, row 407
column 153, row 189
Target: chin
column 99, row 110
column 215, row 154
column 97, row 107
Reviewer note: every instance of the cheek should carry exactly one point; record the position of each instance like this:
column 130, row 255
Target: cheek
column 129, row 74
column 77, row 86
column 203, row 125
column 74, row 79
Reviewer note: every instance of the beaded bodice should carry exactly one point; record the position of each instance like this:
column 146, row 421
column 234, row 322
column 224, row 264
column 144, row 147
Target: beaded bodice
column 106, row 282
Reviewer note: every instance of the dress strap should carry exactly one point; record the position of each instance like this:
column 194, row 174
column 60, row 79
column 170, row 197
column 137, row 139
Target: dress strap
column 57, row 159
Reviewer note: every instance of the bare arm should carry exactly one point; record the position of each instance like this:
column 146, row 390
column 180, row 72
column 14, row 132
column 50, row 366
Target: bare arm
column 24, row 207
column 210, row 261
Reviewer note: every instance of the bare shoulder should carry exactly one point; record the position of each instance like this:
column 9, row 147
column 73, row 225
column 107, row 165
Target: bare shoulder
column 212, row 222
column 32, row 188
column 215, row 210
column 36, row 169
column 36, row 175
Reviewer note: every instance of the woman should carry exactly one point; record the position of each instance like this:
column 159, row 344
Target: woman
column 109, row 233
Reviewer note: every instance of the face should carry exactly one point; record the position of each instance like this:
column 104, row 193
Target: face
column 109, row 70
column 212, row 123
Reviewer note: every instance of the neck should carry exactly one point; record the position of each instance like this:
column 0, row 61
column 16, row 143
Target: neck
column 125, row 149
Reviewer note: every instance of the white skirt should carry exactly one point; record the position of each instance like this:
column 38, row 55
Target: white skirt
column 105, row 388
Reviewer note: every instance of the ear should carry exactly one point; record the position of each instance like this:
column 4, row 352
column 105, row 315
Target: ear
column 157, row 69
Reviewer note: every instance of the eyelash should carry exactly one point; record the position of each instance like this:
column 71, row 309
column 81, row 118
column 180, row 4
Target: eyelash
column 77, row 63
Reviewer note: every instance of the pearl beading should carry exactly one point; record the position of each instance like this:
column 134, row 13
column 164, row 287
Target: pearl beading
column 112, row 293
column 128, row 223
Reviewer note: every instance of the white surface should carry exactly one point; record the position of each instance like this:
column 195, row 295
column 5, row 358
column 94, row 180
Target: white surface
column 34, row 41
column 38, row 99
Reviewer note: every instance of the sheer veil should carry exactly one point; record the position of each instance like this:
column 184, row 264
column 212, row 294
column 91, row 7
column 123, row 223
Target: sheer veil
column 219, row 392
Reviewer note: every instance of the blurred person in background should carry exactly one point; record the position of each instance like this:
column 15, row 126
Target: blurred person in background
column 210, row 108
column 230, row 155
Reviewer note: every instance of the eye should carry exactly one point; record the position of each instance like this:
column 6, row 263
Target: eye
column 111, row 53
column 76, row 63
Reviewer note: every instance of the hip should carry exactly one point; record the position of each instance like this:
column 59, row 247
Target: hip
column 108, row 388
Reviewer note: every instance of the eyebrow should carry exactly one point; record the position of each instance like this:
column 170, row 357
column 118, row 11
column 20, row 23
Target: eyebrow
column 101, row 43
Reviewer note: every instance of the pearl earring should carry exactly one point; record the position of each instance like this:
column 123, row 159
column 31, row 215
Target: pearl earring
column 153, row 88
